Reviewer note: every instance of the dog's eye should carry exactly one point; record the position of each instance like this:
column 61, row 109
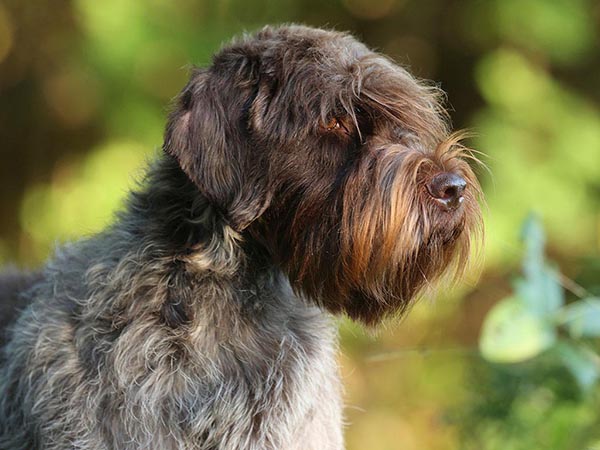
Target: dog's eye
column 333, row 124
column 336, row 124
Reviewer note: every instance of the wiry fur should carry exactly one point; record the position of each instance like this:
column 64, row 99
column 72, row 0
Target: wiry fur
column 197, row 320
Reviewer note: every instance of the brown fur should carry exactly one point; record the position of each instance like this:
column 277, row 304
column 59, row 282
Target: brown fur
column 294, row 183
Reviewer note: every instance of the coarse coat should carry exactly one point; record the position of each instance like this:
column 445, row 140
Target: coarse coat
column 291, row 188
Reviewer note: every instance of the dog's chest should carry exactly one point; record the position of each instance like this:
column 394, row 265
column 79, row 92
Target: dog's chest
column 248, row 371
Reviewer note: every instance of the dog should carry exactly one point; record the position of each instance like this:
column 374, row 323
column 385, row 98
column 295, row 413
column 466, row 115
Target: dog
column 303, row 176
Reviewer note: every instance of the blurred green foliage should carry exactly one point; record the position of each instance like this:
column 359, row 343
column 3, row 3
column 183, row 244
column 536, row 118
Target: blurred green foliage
column 545, row 145
column 529, row 322
column 84, row 91
column 62, row 209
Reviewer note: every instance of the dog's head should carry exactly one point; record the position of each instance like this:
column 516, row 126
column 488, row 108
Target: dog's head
column 336, row 160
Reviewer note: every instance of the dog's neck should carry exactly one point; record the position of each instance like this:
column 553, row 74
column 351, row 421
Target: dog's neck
column 173, row 225
column 179, row 321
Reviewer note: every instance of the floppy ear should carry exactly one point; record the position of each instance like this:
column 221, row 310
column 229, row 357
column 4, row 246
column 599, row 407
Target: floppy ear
column 208, row 134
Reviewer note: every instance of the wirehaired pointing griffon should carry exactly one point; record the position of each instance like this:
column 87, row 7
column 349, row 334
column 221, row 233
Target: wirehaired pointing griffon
column 303, row 176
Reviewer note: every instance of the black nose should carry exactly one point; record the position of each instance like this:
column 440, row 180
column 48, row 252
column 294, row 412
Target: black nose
column 447, row 189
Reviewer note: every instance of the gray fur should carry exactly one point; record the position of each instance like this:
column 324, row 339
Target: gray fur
column 96, row 362
column 293, row 185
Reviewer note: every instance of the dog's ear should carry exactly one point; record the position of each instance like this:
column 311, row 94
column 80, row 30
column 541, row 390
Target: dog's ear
column 209, row 135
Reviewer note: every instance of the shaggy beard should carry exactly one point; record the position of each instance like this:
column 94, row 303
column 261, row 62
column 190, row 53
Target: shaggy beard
column 369, row 248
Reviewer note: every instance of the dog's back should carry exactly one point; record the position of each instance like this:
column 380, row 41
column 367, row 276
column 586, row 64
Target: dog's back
column 12, row 284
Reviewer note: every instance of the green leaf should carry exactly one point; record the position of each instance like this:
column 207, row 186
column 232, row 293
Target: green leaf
column 540, row 290
column 534, row 239
column 583, row 364
column 511, row 333
column 582, row 318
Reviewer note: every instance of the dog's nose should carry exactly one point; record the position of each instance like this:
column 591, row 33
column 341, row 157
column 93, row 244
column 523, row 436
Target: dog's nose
column 447, row 188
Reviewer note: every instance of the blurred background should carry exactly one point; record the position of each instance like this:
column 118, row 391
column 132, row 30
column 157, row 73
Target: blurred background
column 84, row 90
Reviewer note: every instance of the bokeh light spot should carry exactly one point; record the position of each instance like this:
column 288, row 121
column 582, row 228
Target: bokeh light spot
column 73, row 95
column 82, row 197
